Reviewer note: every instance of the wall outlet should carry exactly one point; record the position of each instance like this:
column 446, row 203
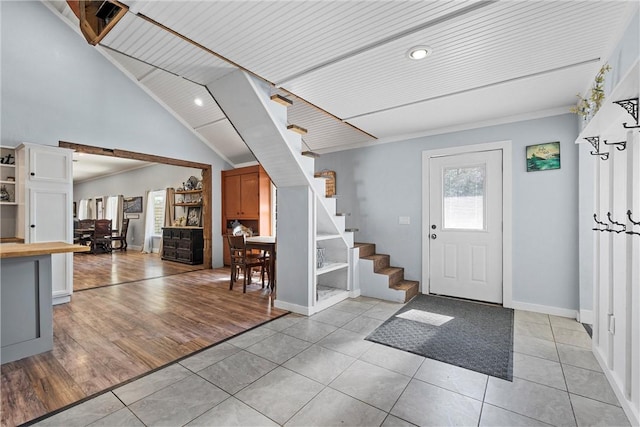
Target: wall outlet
column 404, row 220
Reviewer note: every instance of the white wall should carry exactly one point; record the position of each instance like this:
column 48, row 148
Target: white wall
column 621, row 59
column 135, row 183
column 55, row 86
column 380, row 183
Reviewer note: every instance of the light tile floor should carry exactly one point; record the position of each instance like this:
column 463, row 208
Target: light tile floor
column 299, row 371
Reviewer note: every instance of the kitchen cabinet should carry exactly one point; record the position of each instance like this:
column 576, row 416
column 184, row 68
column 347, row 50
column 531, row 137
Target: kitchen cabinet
column 242, row 195
column 8, row 189
column 246, row 198
column 45, row 207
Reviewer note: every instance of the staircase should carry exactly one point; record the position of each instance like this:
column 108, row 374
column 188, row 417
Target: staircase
column 307, row 219
column 379, row 280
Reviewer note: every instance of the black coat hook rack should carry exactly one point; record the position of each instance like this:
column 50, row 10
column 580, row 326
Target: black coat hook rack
column 620, row 146
column 595, row 142
column 606, row 226
column 631, row 106
column 624, row 226
column 632, row 222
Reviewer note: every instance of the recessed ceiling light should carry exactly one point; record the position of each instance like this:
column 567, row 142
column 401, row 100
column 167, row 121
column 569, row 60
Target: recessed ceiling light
column 419, row 52
column 198, row 102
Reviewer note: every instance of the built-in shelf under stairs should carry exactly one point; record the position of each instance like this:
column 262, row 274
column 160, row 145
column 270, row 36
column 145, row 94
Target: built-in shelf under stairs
column 378, row 279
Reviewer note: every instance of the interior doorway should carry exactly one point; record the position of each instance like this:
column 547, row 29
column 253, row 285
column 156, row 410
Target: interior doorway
column 206, row 183
column 467, row 222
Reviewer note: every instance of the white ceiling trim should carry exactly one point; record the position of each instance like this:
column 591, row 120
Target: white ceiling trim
column 551, row 112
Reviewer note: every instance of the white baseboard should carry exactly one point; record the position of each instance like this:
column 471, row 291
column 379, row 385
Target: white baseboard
column 134, row 248
column 586, row 316
column 545, row 309
column 632, row 413
column 61, row 299
column 295, row 308
column 308, row 311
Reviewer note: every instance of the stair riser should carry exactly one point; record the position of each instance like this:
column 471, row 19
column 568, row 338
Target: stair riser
column 329, row 203
column 340, row 222
column 307, row 164
column 396, row 277
column 320, row 185
column 367, row 250
column 348, row 236
column 410, row 293
column 381, row 262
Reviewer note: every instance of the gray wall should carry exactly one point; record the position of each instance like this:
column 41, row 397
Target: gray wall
column 55, row 86
column 136, row 183
column 380, row 183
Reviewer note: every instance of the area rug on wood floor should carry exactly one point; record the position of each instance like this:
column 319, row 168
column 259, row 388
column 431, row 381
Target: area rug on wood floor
column 471, row 335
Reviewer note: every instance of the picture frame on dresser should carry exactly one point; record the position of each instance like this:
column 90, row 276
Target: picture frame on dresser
column 193, row 216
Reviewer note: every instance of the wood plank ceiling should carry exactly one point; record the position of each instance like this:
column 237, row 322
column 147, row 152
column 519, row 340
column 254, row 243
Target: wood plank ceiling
column 491, row 61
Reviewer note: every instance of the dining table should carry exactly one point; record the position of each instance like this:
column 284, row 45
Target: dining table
column 267, row 244
column 86, row 234
column 89, row 231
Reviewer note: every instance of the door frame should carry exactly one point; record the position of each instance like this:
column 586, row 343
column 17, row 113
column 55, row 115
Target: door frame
column 507, row 208
column 207, row 226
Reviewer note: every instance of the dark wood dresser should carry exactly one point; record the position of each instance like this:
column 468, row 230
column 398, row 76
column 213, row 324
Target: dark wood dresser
column 183, row 244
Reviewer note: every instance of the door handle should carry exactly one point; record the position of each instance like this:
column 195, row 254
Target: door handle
column 433, row 236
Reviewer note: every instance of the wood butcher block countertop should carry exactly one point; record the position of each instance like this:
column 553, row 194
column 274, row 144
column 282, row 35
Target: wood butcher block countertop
column 15, row 250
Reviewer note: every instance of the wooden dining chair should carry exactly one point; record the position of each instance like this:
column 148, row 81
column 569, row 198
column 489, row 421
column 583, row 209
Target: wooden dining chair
column 84, row 238
column 122, row 238
column 243, row 261
column 101, row 238
column 240, row 230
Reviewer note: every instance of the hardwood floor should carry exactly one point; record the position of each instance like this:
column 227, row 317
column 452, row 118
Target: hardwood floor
column 96, row 270
column 108, row 335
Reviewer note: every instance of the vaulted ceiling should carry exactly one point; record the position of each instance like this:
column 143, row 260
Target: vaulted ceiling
column 344, row 63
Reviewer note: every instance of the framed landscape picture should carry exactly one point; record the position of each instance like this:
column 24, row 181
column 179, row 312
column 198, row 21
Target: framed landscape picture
column 541, row 157
column 132, row 205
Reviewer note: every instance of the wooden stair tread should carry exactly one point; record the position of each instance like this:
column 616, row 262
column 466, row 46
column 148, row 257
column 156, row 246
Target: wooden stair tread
column 388, row 271
column 405, row 285
column 358, row 244
column 374, row 256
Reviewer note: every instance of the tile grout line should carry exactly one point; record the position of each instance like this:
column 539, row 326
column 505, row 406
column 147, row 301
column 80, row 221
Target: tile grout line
column 484, row 395
column 564, row 377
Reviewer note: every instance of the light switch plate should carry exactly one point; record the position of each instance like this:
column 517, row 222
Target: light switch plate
column 404, row 220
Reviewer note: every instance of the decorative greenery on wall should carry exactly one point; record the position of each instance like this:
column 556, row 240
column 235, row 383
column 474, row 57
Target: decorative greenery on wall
column 587, row 107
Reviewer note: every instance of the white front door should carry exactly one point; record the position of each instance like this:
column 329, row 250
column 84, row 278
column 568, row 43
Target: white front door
column 465, row 225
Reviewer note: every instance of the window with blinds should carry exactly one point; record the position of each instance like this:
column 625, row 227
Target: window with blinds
column 158, row 211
